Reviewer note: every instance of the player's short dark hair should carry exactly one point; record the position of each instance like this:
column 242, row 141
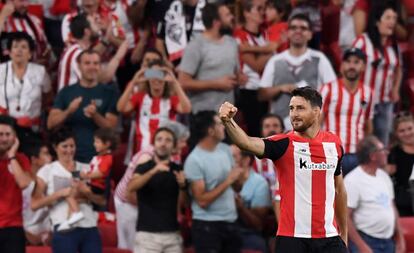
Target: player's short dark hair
column 168, row 130
column 87, row 51
column 60, row 135
column 272, row 115
column 200, row 123
column 310, row 94
column 8, row 121
column 108, row 135
column 210, row 13
column 365, row 148
column 21, row 36
column 78, row 25
column 302, row 17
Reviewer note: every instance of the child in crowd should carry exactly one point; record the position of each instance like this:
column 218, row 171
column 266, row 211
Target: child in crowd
column 105, row 142
column 277, row 14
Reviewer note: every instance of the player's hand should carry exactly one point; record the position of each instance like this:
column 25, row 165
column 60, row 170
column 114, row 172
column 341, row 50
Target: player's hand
column 227, row 111
column 7, row 9
column 74, row 105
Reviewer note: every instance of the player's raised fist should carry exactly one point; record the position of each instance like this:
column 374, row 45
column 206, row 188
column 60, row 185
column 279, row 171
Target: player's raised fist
column 227, row 111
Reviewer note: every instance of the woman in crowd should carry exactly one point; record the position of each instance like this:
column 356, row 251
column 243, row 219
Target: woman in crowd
column 401, row 161
column 54, row 183
column 383, row 71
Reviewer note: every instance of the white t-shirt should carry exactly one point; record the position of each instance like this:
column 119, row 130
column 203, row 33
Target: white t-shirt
column 371, row 197
column 346, row 24
column 36, row 222
column 57, row 177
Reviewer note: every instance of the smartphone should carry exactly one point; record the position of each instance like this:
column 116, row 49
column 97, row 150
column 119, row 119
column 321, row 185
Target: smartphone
column 76, row 174
column 154, row 74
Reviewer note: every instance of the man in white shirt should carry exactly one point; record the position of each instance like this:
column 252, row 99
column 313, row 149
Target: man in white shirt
column 297, row 66
column 372, row 215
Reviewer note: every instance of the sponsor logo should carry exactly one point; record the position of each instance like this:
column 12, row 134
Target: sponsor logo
column 306, row 165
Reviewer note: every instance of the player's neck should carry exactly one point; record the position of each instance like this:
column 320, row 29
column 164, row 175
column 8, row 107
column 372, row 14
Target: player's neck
column 309, row 133
column 351, row 85
column 369, row 168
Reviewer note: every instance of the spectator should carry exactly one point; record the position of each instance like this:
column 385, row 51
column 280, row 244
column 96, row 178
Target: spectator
column 83, row 38
column 125, row 202
column 370, row 192
column 401, row 161
column 25, row 86
column 155, row 104
column 250, row 37
column 14, row 17
column 14, row 177
column 54, row 183
column 271, row 124
column 277, row 14
column 209, row 171
column 383, row 71
column 252, row 201
column 298, row 66
column 85, row 106
column 37, row 225
column 311, row 9
column 181, row 22
column 209, row 68
column 159, row 184
column 348, row 106
column 347, row 32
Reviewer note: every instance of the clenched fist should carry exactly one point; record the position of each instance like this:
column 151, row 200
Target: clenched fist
column 227, row 111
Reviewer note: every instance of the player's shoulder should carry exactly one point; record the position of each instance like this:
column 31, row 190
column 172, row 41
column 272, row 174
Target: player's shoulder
column 279, row 137
column 326, row 136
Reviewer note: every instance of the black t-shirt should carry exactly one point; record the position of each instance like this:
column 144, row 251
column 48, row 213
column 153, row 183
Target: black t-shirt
column 404, row 166
column 157, row 200
column 155, row 10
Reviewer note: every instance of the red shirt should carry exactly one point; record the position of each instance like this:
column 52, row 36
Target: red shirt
column 274, row 33
column 11, row 197
column 103, row 163
column 306, row 169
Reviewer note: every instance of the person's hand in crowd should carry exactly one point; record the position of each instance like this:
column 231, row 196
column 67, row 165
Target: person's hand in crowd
column 13, row 149
column 226, row 83
column 169, row 76
column 234, row 175
column 287, row 88
column 180, row 177
column 161, row 167
column 7, row 9
column 242, row 79
column 90, row 110
column 139, row 77
column 395, row 95
column 65, row 192
column 238, row 200
column 122, row 50
column 227, row 111
column 400, row 246
column 74, row 105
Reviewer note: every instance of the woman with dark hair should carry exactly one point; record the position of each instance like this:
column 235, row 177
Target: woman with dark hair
column 159, row 98
column 383, row 71
column 401, row 161
column 56, row 182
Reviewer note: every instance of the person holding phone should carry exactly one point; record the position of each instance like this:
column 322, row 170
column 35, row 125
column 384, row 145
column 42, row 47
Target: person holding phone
column 14, row 177
column 160, row 98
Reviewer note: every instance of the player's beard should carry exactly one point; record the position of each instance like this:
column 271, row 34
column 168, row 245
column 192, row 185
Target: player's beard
column 302, row 127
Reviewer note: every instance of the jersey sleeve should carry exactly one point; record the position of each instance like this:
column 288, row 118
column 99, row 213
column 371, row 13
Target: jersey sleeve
column 105, row 165
column 275, row 147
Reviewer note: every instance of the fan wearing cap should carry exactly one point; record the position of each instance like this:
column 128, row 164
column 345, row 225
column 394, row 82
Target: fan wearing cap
column 348, row 106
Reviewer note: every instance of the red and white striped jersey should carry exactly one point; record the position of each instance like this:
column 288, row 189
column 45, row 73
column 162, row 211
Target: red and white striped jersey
column 103, row 164
column 67, row 19
column 345, row 113
column 306, row 169
column 243, row 36
column 380, row 68
column 68, row 67
column 30, row 24
column 150, row 112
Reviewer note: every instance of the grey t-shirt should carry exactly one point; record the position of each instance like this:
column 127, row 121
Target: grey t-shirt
column 204, row 59
column 213, row 168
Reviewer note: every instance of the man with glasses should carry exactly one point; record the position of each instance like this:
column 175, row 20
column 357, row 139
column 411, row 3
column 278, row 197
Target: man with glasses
column 372, row 215
column 297, row 66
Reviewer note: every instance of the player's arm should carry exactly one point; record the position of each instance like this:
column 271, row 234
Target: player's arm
column 341, row 209
column 237, row 135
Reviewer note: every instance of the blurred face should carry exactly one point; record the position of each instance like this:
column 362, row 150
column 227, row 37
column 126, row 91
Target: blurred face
column 352, row 67
column 43, row 158
column 90, row 6
column 226, row 19
column 236, row 152
column 100, row 146
column 302, row 114
column 271, row 126
column 65, row 150
column 256, row 13
column 181, row 144
column 386, row 25
column 272, row 15
column 149, row 57
column 405, row 132
column 163, row 145
column 7, row 137
column 217, row 130
column 299, row 33
column 380, row 155
column 20, row 52
column 21, row 5
column 89, row 66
